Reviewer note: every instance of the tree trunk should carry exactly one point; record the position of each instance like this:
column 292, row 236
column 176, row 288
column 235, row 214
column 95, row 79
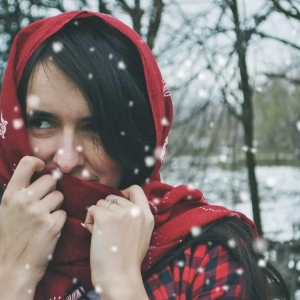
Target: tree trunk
column 247, row 115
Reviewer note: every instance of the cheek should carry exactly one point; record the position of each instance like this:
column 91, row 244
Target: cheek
column 102, row 163
column 41, row 148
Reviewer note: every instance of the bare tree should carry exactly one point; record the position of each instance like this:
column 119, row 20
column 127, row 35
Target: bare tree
column 218, row 39
column 153, row 12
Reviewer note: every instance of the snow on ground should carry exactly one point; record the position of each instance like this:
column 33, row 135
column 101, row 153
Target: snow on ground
column 279, row 188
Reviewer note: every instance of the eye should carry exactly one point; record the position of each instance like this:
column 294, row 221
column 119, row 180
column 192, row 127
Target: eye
column 90, row 127
column 40, row 124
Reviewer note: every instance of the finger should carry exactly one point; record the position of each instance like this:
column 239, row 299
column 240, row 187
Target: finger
column 60, row 217
column 120, row 201
column 52, row 201
column 90, row 217
column 136, row 195
column 42, row 186
column 23, row 173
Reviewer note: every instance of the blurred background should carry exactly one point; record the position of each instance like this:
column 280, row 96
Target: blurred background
column 233, row 70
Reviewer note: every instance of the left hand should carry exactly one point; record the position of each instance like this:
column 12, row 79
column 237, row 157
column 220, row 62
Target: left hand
column 120, row 237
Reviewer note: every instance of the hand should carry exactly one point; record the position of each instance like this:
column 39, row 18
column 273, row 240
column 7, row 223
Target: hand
column 30, row 222
column 120, row 238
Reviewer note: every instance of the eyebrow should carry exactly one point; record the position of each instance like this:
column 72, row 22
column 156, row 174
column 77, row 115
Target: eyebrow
column 51, row 115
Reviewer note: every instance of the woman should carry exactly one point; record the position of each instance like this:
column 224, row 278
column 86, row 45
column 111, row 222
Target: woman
column 85, row 117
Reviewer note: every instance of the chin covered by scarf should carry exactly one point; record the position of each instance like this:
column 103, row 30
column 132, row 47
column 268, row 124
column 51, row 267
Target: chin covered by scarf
column 176, row 209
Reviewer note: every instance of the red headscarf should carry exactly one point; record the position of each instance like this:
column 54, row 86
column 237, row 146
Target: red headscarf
column 176, row 209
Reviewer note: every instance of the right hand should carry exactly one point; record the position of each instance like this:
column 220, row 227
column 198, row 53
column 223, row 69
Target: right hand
column 30, row 221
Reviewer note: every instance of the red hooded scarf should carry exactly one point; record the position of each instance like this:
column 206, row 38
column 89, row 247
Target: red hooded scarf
column 176, row 209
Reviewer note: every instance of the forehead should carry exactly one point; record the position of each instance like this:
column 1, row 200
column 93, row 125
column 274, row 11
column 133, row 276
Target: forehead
column 51, row 89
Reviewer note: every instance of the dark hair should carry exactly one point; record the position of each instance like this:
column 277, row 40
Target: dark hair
column 258, row 283
column 116, row 93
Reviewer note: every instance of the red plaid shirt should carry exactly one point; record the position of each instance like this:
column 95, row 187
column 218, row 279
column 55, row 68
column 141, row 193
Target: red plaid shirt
column 201, row 272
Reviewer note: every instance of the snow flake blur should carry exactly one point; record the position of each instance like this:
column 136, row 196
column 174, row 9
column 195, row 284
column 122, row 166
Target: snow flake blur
column 121, row 65
column 18, row 123
column 57, row 47
column 196, row 231
column 149, row 161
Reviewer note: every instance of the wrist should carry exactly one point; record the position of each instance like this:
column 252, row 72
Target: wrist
column 13, row 286
column 129, row 286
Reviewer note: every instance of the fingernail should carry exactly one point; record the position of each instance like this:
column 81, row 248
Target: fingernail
column 83, row 225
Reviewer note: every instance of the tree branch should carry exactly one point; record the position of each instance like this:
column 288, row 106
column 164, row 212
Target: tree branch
column 264, row 35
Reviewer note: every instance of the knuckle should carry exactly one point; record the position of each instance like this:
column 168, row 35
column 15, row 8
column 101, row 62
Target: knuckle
column 50, row 179
column 27, row 160
column 136, row 187
column 59, row 195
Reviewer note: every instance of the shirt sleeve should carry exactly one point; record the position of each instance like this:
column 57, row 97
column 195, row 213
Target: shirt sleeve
column 215, row 275
column 200, row 272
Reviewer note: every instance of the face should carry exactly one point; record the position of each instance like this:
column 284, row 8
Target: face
column 60, row 128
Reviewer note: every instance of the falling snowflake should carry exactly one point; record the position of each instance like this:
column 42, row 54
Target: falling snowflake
column 110, row 56
column 85, row 173
column 253, row 150
column 262, row 263
column 135, row 211
column 291, row 264
column 211, row 125
column 201, row 76
column 27, row 266
column 92, row 49
column 33, row 100
column 74, row 280
column 298, row 125
column 207, row 281
column 231, row 243
column 181, row 74
column 57, row 173
column 136, row 171
column 202, row 94
column 240, row 271
column 223, row 158
column 130, row 103
column 245, row 148
column 90, row 76
column 147, row 148
column 57, row 47
column 122, row 133
column 260, row 245
column 121, row 65
column 225, row 288
column 158, row 152
column 244, row 196
column 29, row 291
column 79, row 148
column 76, row 23
column 156, row 201
column 114, row 248
column 164, row 121
column 50, row 256
column 18, row 123
column 149, row 161
column 196, row 231
column 180, row 263
column 98, row 289
column 16, row 108
column 61, row 151
column 200, row 270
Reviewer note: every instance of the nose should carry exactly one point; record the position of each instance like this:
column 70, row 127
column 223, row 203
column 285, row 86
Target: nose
column 68, row 155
